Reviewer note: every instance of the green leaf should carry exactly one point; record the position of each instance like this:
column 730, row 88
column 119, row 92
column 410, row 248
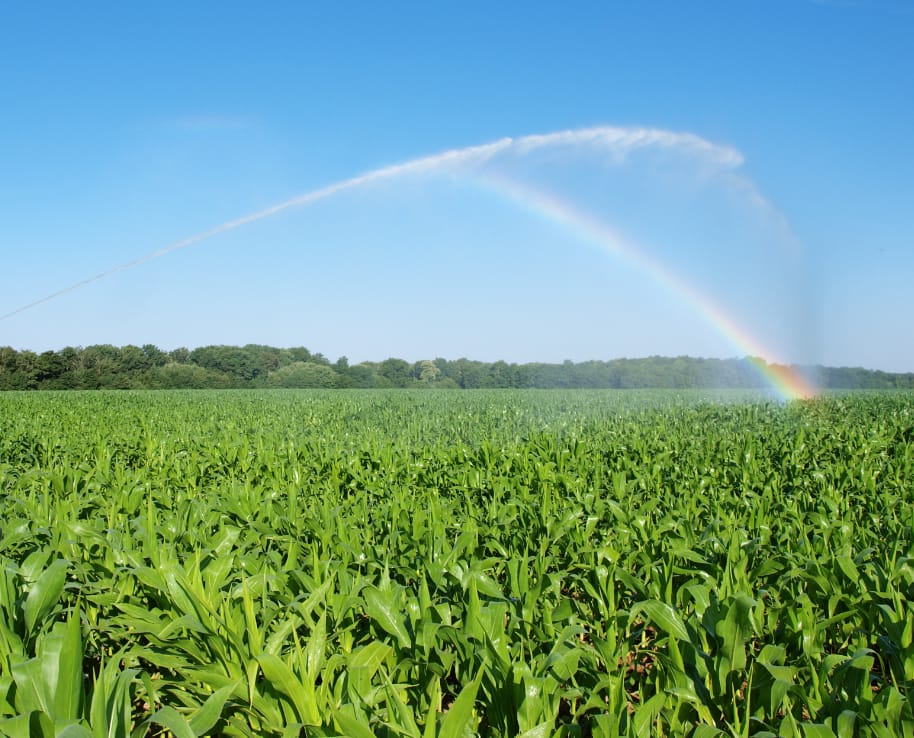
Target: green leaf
column 664, row 616
column 26, row 725
column 689, row 694
column 849, row 568
column 174, row 721
column 50, row 685
column 381, row 606
column 109, row 711
column 44, row 593
column 816, row 730
column 74, row 730
column 645, row 714
column 369, row 657
column 317, row 644
column 543, row 730
column 431, row 719
column 208, row 714
column 458, row 717
column 707, row 731
column 362, row 666
column 352, row 727
column 67, row 651
column 846, row 721
column 40, row 725
column 250, row 620
column 405, row 722
column 282, row 678
column 732, row 632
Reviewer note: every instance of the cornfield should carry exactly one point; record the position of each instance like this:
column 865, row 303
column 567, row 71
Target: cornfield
column 437, row 565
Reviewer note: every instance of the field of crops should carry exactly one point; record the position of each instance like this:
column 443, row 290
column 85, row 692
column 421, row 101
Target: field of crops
column 433, row 564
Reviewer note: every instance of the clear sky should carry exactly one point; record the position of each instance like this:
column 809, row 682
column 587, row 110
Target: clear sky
column 127, row 127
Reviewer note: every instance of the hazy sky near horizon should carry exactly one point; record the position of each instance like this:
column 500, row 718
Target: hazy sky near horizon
column 787, row 227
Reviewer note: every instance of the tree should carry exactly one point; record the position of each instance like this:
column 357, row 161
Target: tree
column 361, row 376
column 133, row 359
column 179, row 356
column 15, row 372
column 291, row 355
column 395, row 371
column 186, row 376
column 49, row 367
column 428, row 372
column 303, row 374
column 154, row 355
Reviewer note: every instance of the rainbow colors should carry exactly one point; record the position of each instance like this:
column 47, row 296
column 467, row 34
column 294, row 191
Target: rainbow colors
column 786, row 380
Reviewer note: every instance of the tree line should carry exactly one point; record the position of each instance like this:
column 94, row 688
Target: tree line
column 253, row 366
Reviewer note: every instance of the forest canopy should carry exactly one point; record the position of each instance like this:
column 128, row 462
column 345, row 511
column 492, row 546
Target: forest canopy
column 255, row 366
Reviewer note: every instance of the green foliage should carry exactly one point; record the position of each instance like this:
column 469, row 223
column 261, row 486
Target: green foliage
column 436, row 565
column 256, row 366
column 303, row 374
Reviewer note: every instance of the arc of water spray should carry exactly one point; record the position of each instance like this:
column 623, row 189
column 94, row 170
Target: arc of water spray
column 618, row 140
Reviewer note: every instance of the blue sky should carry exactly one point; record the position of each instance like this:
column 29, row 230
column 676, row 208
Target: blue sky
column 126, row 128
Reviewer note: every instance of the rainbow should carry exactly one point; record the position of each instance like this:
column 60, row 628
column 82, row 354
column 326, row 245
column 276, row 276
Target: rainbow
column 785, row 380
